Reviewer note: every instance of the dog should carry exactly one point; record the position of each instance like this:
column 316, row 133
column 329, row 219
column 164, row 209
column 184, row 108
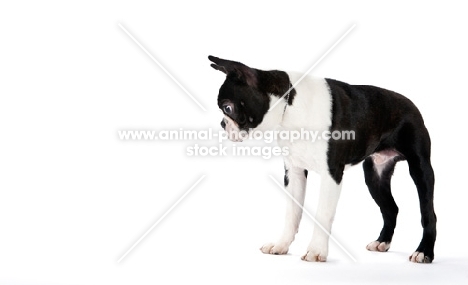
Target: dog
column 387, row 127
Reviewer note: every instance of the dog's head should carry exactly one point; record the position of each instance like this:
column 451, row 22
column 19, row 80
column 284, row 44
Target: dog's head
column 240, row 99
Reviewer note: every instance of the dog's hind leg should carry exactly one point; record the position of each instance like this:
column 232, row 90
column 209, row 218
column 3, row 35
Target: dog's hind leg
column 295, row 180
column 423, row 175
column 378, row 171
column 414, row 143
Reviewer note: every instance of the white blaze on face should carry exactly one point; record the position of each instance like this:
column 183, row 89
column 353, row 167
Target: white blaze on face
column 232, row 128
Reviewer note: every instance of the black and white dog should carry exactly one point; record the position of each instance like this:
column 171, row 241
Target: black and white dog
column 388, row 128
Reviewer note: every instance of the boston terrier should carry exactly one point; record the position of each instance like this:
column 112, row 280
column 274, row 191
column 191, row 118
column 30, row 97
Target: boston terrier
column 387, row 128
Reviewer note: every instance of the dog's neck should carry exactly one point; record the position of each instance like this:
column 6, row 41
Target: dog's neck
column 276, row 84
column 274, row 117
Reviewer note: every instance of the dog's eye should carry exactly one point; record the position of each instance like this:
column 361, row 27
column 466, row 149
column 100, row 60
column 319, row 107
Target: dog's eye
column 227, row 109
column 250, row 119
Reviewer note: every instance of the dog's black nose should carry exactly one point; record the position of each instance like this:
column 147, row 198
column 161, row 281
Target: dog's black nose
column 223, row 124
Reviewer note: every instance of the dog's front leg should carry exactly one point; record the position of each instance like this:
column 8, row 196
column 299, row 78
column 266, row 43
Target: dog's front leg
column 328, row 201
column 295, row 180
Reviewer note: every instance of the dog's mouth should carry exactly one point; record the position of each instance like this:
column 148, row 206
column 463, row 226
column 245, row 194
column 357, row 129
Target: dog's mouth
column 232, row 128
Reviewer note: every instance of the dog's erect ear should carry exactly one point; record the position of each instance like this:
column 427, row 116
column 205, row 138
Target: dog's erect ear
column 235, row 70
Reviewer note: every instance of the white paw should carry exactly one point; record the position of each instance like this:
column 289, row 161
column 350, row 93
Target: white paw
column 316, row 255
column 278, row 248
column 378, row 246
column 419, row 257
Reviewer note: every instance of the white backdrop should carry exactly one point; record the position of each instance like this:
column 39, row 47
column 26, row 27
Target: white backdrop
column 74, row 198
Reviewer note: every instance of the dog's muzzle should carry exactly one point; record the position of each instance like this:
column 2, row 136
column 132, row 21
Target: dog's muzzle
column 232, row 129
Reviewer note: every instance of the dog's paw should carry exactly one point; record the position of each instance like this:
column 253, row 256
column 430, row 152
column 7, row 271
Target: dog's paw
column 419, row 257
column 378, row 246
column 272, row 248
column 315, row 255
